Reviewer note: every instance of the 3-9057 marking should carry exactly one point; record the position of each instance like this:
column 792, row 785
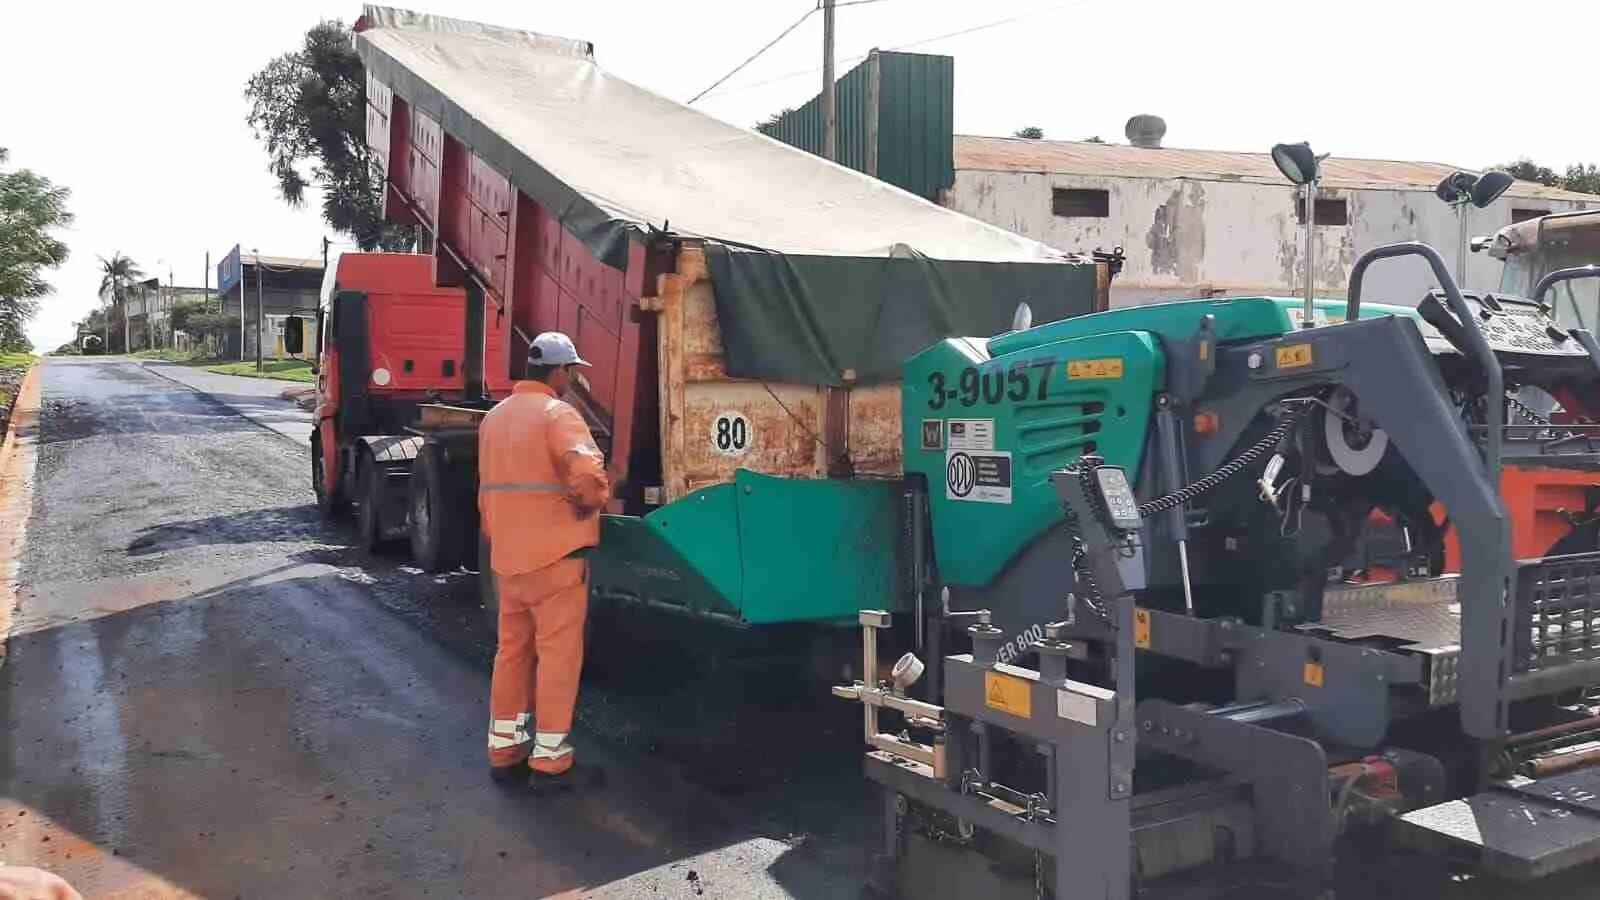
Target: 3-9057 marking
column 992, row 384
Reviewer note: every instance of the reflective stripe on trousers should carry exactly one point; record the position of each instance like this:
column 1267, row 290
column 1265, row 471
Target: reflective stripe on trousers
column 551, row 745
column 504, row 733
column 524, row 487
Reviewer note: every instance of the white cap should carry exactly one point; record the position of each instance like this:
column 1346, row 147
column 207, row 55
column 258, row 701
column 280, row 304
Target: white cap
column 552, row 348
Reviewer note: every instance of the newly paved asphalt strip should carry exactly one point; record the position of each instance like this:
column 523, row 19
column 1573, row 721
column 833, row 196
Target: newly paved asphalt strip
column 258, row 399
column 208, row 693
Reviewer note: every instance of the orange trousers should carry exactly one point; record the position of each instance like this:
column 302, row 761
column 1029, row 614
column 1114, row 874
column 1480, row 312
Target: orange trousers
column 537, row 664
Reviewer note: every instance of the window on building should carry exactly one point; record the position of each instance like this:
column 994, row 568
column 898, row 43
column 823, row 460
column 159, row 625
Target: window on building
column 1080, row 203
column 1523, row 214
column 1330, row 210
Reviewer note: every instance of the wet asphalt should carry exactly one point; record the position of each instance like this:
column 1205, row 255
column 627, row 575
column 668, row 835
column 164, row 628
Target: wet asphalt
column 209, row 693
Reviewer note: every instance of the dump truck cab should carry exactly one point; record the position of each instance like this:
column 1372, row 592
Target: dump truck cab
column 1534, row 248
column 388, row 342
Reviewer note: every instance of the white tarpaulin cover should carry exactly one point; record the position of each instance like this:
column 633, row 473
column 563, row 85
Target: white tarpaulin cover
column 612, row 159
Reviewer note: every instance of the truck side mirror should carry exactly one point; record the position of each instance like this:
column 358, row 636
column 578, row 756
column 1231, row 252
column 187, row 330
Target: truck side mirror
column 294, row 335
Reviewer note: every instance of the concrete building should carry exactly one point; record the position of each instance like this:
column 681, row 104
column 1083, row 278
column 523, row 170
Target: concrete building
column 1202, row 222
column 149, row 313
column 264, row 291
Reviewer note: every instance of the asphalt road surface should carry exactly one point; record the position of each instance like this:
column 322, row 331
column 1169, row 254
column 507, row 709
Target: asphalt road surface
column 208, row 693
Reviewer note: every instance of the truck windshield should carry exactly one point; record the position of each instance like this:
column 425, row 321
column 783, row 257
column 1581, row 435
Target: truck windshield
column 1577, row 302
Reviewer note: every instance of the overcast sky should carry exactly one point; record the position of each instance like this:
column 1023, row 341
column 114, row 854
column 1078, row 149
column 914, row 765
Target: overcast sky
column 138, row 107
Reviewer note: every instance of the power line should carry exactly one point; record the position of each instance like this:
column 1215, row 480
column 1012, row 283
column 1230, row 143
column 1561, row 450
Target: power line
column 917, row 43
column 768, row 46
column 995, row 24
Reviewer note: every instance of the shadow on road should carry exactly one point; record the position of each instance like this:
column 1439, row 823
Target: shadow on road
column 284, row 523
column 283, row 735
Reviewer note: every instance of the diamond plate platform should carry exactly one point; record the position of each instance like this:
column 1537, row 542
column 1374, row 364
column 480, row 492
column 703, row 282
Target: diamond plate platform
column 1511, row 832
column 1420, row 617
column 1422, row 614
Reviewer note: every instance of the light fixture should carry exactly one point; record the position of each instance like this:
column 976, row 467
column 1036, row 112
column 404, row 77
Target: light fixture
column 1296, row 162
column 1303, row 167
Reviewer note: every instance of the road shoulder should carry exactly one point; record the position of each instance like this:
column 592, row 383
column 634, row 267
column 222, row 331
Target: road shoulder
column 17, row 457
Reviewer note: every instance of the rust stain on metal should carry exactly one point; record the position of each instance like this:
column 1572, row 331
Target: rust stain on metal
column 785, row 423
column 875, row 430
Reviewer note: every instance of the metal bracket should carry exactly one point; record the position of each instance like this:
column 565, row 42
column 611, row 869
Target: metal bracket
column 1288, row 775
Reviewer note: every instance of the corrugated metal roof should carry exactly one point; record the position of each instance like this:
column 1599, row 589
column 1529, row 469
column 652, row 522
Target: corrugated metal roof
column 998, row 154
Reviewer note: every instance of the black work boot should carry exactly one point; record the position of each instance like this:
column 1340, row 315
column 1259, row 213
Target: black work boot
column 514, row 775
column 581, row 775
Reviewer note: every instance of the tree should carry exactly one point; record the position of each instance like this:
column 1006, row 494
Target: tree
column 118, row 275
column 1584, row 178
column 773, row 119
column 1581, row 177
column 30, row 208
column 1526, row 170
column 309, row 108
column 1031, row 132
column 196, row 319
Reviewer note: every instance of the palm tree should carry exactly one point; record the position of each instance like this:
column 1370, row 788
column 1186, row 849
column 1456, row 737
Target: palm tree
column 117, row 275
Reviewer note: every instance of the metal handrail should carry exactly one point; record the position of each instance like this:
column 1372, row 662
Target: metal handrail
column 1552, row 279
column 1479, row 348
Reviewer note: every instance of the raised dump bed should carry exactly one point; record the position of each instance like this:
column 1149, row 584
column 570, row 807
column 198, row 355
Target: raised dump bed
column 747, row 306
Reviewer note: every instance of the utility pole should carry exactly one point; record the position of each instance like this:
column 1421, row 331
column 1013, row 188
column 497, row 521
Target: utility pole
column 261, row 316
column 240, row 262
column 830, row 117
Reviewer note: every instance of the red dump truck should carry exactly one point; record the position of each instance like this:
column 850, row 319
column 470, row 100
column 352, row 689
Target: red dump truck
column 747, row 307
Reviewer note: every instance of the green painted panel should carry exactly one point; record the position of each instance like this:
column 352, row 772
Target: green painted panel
column 915, row 118
column 1237, row 319
column 818, row 550
column 761, row 550
column 1042, row 406
column 685, row 554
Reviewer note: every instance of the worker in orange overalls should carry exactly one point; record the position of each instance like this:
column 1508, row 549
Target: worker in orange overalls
column 542, row 484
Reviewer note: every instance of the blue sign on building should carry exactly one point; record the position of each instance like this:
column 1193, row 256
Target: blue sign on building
column 229, row 271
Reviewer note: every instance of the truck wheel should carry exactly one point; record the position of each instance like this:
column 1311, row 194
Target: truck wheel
column 487, row 591
column 369, row 503
column 330, row 503
column 439, row 534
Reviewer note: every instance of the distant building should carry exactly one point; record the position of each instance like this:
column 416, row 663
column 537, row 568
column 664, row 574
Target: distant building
column 264, row 291
column 1205, row 222
column 1192, row 222
column 149, row 311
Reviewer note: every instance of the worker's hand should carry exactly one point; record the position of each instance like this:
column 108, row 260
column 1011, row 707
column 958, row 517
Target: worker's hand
column 582, row 508
column 28, row 883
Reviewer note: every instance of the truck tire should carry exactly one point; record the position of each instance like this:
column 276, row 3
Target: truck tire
column 440, row 535
column 332, row 504
column 487, row 591
column 369, row 503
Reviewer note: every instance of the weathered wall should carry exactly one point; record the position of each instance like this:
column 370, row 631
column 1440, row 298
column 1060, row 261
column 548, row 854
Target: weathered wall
column 1188, row 238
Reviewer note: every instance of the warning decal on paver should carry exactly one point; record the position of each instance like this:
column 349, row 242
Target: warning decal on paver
column 982, row 477
column 971, row 434
column 1008, row 693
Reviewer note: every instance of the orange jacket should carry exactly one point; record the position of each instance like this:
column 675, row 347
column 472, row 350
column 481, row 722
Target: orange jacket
column 541, row 480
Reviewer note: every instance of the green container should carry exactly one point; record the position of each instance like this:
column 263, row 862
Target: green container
column 760, row 551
